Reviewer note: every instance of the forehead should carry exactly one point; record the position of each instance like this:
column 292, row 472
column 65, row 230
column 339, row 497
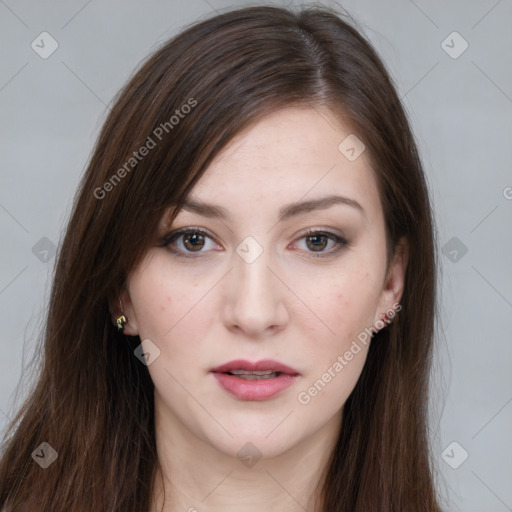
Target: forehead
column 290, row 154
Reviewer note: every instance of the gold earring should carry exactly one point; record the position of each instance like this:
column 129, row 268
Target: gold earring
column 121, row 320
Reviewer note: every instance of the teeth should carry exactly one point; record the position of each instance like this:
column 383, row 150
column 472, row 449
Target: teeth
column 255, row 372
column 250, row 376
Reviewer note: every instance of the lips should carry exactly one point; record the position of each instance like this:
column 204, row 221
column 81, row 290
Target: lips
column 257, row 381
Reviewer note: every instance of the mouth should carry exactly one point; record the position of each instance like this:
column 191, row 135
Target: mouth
column 265, row 369
column 254, row 375
column 254, row 381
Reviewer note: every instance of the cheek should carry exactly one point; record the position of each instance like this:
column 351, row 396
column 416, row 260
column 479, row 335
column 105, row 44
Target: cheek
column 336, row 359
column 161, row 297
column 336, row 355
column 172, row 310
column 346, row 306
column 153, row 305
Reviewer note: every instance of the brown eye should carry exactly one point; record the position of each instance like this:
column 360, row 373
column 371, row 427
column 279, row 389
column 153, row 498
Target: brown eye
column 190, row 242
column 318, row 242
column 321, row 243
column 193, row 241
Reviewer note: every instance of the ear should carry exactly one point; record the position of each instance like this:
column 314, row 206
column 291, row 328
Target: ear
column 393, row 287
column 122, row 305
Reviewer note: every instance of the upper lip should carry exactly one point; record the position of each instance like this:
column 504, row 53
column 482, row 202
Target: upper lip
column 264, row 364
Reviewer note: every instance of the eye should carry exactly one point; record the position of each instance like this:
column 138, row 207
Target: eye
column 318, row 241
column 189, row 240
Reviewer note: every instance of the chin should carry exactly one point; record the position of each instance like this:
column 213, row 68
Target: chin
column 264, row 439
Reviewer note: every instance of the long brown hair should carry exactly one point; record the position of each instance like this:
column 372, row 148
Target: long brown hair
column 93, row 399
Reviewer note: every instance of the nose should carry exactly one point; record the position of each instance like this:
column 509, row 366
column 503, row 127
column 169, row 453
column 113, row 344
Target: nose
column 255, row 296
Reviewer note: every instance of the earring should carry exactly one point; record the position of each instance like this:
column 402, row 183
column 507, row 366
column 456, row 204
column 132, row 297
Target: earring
column 121, row 320
column 385, row 318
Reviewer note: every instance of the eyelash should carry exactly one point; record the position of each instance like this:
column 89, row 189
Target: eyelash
column 339, row 240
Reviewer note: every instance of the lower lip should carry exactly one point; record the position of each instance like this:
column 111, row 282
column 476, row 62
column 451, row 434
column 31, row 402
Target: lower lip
column 258, row 389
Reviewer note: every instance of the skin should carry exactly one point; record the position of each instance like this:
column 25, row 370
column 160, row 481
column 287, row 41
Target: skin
column 287, row 305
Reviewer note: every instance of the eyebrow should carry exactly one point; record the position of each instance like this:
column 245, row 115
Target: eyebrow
column 285, row 213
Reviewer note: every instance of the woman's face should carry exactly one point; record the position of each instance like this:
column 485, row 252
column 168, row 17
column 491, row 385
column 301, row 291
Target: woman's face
column 247, row 282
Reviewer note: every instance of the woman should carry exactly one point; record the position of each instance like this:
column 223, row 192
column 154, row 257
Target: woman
column 243, row 307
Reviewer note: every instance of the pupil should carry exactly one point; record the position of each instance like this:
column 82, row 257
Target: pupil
column 317, row 238
column 194, row 239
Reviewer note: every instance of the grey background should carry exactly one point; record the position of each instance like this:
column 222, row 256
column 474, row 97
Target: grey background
column 460, row 109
